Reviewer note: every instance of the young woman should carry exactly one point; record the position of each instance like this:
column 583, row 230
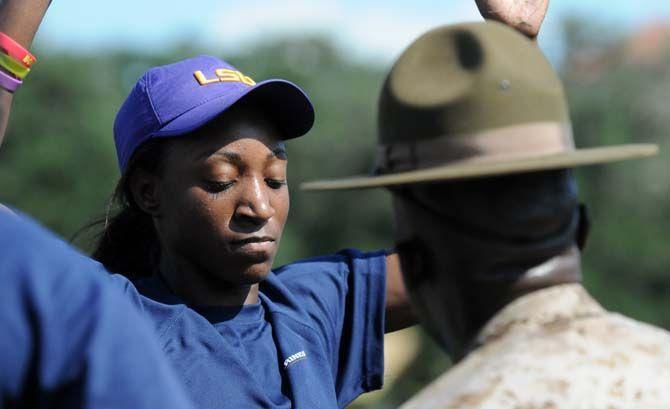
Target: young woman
column 203, row 204
column 204, row 199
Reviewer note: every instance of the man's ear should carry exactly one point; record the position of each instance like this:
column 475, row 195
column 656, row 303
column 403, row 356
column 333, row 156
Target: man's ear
column 145, row 189
column 584, row 227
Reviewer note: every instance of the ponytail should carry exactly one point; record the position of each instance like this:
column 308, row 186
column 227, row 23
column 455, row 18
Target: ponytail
column 127, row 241
column 128, row 245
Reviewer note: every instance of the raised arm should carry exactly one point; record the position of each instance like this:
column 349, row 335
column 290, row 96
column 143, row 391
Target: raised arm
column 19, row 19
column 523, row 15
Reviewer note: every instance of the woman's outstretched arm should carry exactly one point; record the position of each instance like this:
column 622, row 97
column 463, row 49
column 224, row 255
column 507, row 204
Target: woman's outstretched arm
column 19, row 19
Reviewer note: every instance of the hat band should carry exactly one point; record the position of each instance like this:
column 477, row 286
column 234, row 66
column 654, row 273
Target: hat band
column 493, row 145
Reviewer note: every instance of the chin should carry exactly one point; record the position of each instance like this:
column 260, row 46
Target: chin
column 255, row 273
column 239, row 269
column 256, row 276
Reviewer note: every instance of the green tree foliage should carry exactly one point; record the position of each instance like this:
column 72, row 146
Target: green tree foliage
column 616, row 97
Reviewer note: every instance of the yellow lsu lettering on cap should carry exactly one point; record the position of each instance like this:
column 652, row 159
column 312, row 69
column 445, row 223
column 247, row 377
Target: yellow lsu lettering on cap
column 223, row 75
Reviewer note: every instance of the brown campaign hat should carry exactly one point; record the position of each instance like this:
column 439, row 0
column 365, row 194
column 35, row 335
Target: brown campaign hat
column 474, row 100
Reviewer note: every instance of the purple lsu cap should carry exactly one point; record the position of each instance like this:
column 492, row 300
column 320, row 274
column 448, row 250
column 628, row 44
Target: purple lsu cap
column 178, row 98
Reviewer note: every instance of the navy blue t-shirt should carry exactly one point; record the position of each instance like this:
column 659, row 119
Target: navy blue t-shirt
column 315, row 339
column 69, row 339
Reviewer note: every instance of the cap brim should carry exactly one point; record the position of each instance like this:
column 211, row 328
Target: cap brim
column 282, row 100
column 579, row 157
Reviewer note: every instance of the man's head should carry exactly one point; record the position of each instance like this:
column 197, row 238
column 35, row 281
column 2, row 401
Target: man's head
column 469, row 242
column 476, row 145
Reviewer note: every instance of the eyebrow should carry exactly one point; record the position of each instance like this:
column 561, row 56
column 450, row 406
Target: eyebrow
column 229, row 156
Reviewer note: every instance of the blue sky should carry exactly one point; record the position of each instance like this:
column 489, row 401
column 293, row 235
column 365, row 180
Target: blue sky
column 371, row 29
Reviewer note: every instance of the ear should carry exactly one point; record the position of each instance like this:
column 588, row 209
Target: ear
column 145, row 189
column 584, row 227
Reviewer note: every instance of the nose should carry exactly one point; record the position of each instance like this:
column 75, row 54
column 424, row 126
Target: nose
column 254, row 207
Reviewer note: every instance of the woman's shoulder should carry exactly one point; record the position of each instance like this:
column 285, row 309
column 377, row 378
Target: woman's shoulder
column 344, row 261
column 150, row 300
column 320, row 285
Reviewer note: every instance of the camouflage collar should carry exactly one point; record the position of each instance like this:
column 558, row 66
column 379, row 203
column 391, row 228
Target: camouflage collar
column 548, row 307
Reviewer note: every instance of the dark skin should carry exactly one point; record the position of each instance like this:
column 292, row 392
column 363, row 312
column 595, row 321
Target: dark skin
column 453, row 306
column 524, row 15
column 220, row 206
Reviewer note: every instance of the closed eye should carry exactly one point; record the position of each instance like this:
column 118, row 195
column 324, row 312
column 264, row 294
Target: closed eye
column 275, row 183
column 216, row 187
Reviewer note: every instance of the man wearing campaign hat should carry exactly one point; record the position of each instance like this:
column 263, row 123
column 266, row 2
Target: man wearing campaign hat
column 475, row 144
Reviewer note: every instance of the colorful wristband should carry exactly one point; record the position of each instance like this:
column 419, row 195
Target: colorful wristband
column 13, row 66
column 8, row 82
column 16, row 50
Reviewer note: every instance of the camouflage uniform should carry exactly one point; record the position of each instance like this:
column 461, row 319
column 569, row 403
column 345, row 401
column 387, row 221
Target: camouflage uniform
column 558, row 348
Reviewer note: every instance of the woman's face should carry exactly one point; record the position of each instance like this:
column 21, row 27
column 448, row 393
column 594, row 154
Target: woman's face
column 223, row 199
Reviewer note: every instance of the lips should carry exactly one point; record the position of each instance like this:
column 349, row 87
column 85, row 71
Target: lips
column 252, row 239
column 253, row 245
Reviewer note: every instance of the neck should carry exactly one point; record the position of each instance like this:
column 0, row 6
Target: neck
column 482, row 300
column 564, row 268
column 198, row 287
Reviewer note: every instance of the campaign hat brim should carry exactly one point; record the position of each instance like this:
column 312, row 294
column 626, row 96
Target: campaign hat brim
column 456, row 171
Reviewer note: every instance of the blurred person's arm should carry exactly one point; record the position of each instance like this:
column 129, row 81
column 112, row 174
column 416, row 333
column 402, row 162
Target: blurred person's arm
column 20, row 20
column 524, row 15
column 70, row 338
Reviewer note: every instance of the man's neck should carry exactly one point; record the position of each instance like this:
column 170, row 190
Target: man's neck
column 564, row 268
column 485, row 300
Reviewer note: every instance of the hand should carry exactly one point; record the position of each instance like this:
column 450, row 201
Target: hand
column 523, row 15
